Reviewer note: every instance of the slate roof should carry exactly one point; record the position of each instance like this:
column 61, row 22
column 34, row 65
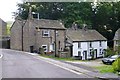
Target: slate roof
column 82, row 35
column 49, row 24
column 117, row 35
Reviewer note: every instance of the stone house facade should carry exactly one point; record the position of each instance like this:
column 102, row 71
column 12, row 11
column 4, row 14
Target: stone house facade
column 42, row 33
column 4, row 39
column 116, row 39
column 3, row 28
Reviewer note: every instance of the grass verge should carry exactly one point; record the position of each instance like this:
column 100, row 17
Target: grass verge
column 105, row 69
column 63, row 59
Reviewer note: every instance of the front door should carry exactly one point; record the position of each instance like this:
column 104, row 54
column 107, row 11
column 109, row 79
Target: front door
column 84, row 55
column 95, row 53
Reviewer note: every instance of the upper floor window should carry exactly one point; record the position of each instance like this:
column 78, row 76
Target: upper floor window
column 90, row 44
column 100, row 44
column 46, row 33
column 79, row 44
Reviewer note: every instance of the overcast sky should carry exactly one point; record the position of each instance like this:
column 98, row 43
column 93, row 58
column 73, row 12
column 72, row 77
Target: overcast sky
column 6, row 9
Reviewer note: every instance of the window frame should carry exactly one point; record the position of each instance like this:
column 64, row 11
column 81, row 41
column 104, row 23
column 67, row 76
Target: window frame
column 79, row 45
column 90, row 44
column 45, row 32
column 100, row 52
column 100, row 43
column 45, row 50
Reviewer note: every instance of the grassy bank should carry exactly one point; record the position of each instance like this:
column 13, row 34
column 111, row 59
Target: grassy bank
column 63, row 59
column 105, row 69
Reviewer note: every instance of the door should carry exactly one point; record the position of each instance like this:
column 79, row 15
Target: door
column 84, row 55
column 95, row 53
column 71, row 51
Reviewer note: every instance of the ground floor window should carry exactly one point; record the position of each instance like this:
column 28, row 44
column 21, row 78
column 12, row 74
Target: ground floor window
column 44, row 47
column 101, row 52
column 90, row 52
column 79, row 53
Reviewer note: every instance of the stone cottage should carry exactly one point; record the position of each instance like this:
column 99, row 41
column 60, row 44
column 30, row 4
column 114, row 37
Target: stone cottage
column 117, row 39
column 33, row 34
column 3, row 34
column 3, row 28
column 84, row 42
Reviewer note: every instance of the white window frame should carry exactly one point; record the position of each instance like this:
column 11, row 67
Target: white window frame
column 45, row 49
column 44, row 32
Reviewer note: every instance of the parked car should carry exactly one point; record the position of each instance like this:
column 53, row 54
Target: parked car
column 110, row 59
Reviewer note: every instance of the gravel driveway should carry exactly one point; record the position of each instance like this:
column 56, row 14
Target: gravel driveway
column 91, row 63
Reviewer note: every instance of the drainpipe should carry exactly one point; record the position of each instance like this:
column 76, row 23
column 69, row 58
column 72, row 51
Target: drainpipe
column 23, row 24
column 55, row 43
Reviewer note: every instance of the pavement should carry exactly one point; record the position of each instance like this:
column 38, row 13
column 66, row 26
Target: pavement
column 73, row 70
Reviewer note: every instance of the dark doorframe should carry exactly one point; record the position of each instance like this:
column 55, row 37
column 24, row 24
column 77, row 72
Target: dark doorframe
column 71, row 51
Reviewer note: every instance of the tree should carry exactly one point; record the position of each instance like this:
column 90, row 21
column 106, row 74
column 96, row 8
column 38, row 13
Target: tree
column 105, row 18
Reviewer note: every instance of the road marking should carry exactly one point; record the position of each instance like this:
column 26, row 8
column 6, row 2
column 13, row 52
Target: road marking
column 50, row 62
column 78, row 73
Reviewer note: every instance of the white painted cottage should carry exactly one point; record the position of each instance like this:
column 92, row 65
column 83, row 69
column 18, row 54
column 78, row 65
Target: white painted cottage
column 116, row 39
column 86, row 42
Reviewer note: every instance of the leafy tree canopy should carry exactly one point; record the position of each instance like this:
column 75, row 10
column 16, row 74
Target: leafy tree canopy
column 104, row 17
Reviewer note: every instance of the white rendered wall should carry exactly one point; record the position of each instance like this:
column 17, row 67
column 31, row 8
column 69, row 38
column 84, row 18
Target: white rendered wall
column 85, row 47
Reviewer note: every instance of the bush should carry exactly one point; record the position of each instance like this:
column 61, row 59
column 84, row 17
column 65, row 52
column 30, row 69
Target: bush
column 116, row 65
column 109, row 52
column 41, row 50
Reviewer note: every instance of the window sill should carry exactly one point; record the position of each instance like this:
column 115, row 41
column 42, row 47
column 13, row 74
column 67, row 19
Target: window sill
column 45, row 36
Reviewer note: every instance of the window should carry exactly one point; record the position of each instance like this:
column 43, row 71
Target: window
column 59, row 44
column 45, row 33
column 90, row 44
column 100, row 51
column 116, row 42
column 79, row 53
column 56, row 33
column 79, row 44
column 100, row 44
column 44, row 47
column 90, row 52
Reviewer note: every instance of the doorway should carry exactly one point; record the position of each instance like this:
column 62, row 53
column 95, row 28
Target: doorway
column 95, row 53
column 84, row 55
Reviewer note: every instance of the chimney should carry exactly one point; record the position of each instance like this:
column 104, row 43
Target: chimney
column 84, row 27
column 74, row 26
column 30, row 13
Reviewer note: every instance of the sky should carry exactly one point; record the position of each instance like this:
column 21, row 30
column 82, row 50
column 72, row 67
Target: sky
column 6, row 9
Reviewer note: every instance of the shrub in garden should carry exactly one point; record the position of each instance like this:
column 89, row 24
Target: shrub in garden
column 116, row 65
column 109, row 52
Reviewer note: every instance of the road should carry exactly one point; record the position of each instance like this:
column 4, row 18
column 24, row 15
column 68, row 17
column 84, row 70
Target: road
column 17, row 64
